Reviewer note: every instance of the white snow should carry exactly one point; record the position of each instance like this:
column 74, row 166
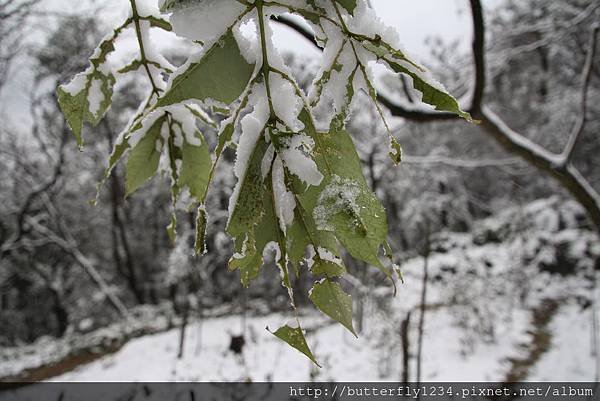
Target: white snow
column 480, row 301
column 206, row 20
column 147, row 8
column 572, row 334
column 285, row 202
column 76, row 85
column 95, row 96
column 339, row 195
column 297, row 161
column 326, row 255
column 253, row 125
column 286, row 103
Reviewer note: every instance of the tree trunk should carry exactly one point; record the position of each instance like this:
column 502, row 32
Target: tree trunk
column 120, row 240
column 405, row 338
column 423, row 309
column 60, row 313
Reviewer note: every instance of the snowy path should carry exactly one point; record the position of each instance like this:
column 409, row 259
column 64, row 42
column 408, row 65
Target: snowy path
column 370, row 358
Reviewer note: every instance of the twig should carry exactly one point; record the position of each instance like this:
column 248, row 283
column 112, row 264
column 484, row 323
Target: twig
column 577, row 131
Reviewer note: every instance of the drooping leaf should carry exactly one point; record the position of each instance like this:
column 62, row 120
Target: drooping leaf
column 432, row 92
column 295, row 338
column 86, row 99
column 343, row 205
column 395, row 151
column 88, row 96
column 195, row 168
column 252, row 222
column 330, row 299
column 143, row 159
column 73, row 106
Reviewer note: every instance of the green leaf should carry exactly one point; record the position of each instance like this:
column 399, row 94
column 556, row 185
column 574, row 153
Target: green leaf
column 295, row 338
column 303, row 232
column 253, row 223
column 143, row 159
column 195, row 168
column 221, row 74
column 432, row 94
column 73, row 108
column 159, row 23
column 358, row 221
column 76, row 106
column 330, row 299
column 74, row 97
column 134, row 65
column 349, row 5
column 166, row 5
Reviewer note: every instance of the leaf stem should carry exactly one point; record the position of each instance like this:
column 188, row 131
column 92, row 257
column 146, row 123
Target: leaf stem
column 265, row 64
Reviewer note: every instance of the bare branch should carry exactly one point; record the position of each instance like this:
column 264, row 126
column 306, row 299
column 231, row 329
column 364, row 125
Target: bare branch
column 567, row 175
column 478, row 56
column 577, row 131
column 414, row 113
column 460, row 163
column 305, row 32
column 69, row 246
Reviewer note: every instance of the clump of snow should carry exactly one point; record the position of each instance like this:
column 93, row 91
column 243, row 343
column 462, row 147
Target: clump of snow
column 328, row 256
column 267, row 161
column 338, row 196
column 246, row 35
column 272, row 248
column 253, row 125
column 147, row 8
column 95, row 96
column 285, row 202
column 203, row 21
column 76, row 85
column 286, row 102
column 296, row 157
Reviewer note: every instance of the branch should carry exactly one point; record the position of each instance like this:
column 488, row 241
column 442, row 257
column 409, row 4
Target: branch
column 577, row 131
column 467, row 164
column 414, row 114
column 396, row 109
column 566, row 174
column 69, row 246
column 478, row 56
column 305, row 32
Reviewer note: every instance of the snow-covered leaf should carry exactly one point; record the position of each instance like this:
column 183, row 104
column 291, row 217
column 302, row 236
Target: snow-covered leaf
column 220, row 74
column 433, row 93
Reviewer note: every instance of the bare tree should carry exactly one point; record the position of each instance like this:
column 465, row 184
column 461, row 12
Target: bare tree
column 13, row 14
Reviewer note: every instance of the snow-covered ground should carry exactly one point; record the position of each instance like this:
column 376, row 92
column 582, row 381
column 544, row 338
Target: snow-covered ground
column 345, row 358
column 447, row 356
column 495, row 306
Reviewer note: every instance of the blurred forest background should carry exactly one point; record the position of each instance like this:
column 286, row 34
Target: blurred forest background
column 500, row 254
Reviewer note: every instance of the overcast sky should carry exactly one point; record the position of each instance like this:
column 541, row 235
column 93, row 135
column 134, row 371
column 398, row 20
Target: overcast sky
column 415, row 20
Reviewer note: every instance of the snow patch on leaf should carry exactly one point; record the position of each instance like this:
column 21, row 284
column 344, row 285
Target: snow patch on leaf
column 339, row 196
